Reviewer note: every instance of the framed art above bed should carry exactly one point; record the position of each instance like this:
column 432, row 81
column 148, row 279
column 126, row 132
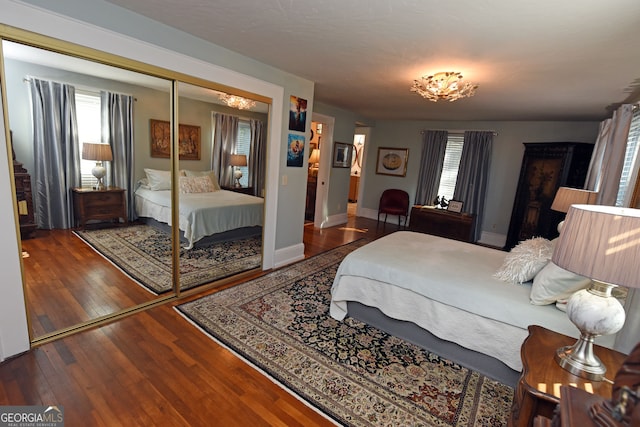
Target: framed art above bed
column 189, row 140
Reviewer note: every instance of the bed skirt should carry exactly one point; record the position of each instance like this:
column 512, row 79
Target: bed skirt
column 227, row 236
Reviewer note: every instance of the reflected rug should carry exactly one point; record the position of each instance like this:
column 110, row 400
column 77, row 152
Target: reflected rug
column 144, row 254
column 355, row 374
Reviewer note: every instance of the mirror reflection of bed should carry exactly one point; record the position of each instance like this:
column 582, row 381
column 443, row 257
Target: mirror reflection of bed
column 69, row 282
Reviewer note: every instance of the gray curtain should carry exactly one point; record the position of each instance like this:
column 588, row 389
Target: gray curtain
column 56, row 152
column 607, row 160
column 257, row 160
column 473, row 175
column 117, row 131
column 434, row 145
column 224, row 143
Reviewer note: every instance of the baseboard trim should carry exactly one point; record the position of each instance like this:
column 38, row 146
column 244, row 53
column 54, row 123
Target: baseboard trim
column 289, row 255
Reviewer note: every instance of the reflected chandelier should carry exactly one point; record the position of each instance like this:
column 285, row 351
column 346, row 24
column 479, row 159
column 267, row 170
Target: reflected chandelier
column 238, row 102
column 445, row 85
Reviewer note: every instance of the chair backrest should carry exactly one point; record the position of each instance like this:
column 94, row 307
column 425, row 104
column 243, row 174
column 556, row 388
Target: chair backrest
column 395, row 198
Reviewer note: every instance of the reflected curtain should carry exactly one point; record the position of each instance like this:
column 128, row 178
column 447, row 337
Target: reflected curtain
column 257, row 159
column 225, row 136
column 608, row 155
column 434, row 146
column 473, row 175
column 117, row 131
column 56, row 152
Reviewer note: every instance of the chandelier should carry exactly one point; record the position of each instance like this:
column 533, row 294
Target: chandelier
column 445, row 85
column 238, row 102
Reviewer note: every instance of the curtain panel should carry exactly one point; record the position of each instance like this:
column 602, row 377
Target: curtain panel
column 473, row 175
column 56, row 152
column 225, row 136
column 117, row 131
column 258, row 158
column 434, row 146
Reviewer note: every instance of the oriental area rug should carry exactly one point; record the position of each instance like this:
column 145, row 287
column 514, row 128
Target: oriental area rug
column 353, row 373
column 144, row 254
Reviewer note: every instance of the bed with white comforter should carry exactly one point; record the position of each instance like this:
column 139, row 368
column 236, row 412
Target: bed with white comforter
column 202, row 214
column 446, row 287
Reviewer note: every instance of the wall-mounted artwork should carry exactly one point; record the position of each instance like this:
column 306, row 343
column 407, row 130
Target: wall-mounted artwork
column 188, row 142
column 392, row 161
column 295, row 150
column 342, row 153
column 297, row 114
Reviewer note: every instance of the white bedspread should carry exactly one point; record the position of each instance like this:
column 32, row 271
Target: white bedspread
column 202, row 214
column 445, row 286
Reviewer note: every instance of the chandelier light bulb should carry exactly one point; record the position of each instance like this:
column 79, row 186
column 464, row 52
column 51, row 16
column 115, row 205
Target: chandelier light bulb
column 447, row 86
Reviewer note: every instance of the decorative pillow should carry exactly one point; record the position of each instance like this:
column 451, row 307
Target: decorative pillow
column 158, row 179
column 195, row 184
column 554, row 283
column 212, row 176
column 525, row 260
column 144, row 183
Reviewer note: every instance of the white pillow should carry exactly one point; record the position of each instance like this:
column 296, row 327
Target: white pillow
column 554, row 283
column 212, row 176
column 525, row 260
column 195, row 184
column 158, row 179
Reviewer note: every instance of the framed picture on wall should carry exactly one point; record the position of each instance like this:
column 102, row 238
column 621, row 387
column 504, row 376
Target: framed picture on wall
column 342, row 153
column 189, row 140
column 392, row 161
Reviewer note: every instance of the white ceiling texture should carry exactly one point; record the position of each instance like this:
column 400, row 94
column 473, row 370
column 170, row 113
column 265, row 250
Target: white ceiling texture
column 542, row 60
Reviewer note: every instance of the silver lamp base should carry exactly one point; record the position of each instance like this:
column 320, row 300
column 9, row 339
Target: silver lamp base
column 580, row 360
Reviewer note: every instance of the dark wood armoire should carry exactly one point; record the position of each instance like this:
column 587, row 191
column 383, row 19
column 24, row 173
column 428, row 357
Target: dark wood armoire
column 24, row 198
column 545, row 167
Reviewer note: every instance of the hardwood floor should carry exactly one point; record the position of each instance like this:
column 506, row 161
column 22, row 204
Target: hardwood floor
column 154, row 368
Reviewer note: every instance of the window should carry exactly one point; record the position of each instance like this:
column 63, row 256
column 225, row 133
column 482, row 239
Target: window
column 89, row 130
column 452, row 156
column 629, row 169
column 243, row 146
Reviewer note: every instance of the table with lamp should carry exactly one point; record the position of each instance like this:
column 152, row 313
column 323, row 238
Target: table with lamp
column 236, row 161
column 603, row 244
column 99, row 202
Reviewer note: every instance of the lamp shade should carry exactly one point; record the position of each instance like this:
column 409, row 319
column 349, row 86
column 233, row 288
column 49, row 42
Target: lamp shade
column 98, row 152
column 566, row 196
column 238, row 160
column 315, row 156
column 602, row 243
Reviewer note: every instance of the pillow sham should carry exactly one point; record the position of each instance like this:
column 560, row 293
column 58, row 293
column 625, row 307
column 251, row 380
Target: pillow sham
column 525, row 260
column 554, row 283
column 195, row 184
column 212, row 176
column 158, row 179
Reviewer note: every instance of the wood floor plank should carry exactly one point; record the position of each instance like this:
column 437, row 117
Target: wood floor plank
column 151, row 368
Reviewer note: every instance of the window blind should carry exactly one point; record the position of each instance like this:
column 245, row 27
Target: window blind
column 449, row 176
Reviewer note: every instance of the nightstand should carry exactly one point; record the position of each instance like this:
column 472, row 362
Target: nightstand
column 101, row 205
column 243, row 190
column 538, row 390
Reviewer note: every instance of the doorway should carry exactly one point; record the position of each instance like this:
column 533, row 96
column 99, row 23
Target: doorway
column 355, row 183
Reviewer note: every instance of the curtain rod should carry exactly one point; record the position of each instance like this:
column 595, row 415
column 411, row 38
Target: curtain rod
column 79, row 87
column 422, row 132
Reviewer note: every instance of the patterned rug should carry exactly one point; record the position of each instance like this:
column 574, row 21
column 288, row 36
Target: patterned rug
column 144, row 253
column 355, row 374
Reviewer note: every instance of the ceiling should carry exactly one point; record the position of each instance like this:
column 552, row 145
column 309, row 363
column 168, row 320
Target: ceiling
column 543, row 60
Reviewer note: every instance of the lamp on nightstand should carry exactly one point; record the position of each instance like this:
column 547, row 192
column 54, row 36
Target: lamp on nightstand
column 602, row 243
column 100, row 153
column 236, row 161
column 566, row 196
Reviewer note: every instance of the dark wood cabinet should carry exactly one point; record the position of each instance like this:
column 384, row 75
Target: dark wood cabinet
column 24, row 199
column 310, row 205
column 440, row 222
column 545, row 168
column 243, row 190
column 101, row 205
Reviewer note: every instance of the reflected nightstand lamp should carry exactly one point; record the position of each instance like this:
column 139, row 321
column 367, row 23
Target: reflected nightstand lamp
column 314, row 159
column 236, row 161
column 100, row 153
column 603, row 244
column 566, row 196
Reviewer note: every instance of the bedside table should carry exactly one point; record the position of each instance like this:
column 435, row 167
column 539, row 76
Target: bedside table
column 243, row 190
column 538, row 389
column 102, row 205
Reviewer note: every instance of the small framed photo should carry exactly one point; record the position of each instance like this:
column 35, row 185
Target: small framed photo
column 392, row 161
column 455, row 206
column 342, row 153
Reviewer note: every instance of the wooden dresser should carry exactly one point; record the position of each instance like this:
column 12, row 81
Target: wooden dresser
column 440, row 222
column 101, row 205
column 24, row 199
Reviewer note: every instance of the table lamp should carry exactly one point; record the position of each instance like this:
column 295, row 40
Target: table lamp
column 566, row 196
column 236, row 161
column 603, row 244
column 100, row 153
